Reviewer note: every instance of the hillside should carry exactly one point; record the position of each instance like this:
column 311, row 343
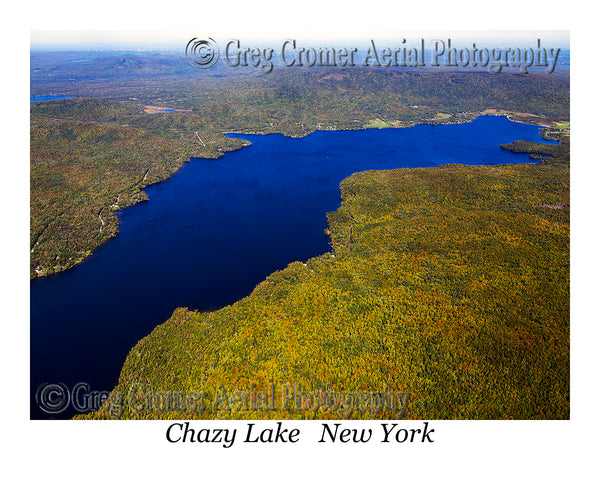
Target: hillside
column 448, row 284
column 92, row 156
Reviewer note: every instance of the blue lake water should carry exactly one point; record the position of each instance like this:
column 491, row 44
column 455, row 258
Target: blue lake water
column 217, row 228
column 48, row 97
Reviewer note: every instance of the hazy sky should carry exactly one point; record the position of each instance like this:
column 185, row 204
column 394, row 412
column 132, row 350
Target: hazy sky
column 134, row 39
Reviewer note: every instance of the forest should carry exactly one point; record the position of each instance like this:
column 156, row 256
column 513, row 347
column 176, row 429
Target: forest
column 450, row 284
column 82, row 171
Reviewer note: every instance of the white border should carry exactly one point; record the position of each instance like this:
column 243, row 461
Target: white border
column 557, row 449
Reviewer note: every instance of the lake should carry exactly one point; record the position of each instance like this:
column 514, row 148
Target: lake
column 213, row 231
column 47, row 98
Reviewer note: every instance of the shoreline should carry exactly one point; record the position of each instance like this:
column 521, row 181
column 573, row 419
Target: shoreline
column 431, row 122
column 268, row 282
column 487, row 112
column 140, row 197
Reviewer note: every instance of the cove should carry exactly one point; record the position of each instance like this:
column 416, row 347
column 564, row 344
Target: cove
column 213, row 231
